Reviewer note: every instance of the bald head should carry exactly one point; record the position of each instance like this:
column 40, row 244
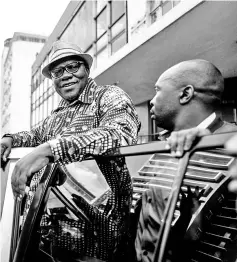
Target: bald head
column 206, row 79
column 186, row 94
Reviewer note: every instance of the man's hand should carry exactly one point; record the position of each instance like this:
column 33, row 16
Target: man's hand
column 28, row 165
column 231, row 146
column 6, row 146
column 181, row 141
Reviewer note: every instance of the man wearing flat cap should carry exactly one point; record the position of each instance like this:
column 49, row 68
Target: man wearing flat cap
column 90, row 120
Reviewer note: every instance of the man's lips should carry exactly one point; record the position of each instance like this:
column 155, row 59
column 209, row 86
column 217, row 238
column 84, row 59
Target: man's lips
column 68, row 84
column 152, row 114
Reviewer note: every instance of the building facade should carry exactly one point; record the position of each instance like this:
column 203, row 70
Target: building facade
column 133, row 42
column 17, row 58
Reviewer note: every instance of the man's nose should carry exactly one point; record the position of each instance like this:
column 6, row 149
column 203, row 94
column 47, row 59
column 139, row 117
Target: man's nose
column 66, row 75
column 152, row 103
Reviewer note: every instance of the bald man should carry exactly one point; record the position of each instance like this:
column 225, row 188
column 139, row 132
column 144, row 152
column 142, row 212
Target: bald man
column 188, row 96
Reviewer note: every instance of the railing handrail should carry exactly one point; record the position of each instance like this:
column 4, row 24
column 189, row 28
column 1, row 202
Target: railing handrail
column 208, row 141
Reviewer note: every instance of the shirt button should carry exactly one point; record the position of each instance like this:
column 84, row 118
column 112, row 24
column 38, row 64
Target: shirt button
column 145, row 253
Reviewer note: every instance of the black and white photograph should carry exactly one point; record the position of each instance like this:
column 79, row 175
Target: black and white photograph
column 118, row 129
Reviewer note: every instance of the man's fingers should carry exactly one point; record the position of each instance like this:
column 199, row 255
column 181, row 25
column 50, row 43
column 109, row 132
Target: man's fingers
column 189, row 141
column 6, row 153
column 193, row 135
column 231, row 145
column 181, row 138
column 177, row 142
column 233, row 169
column 3, row 148
column 18, row 181
column 233, row 186
column 172, row 142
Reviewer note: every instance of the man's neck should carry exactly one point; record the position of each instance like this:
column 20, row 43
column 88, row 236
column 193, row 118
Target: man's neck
column 194, row 121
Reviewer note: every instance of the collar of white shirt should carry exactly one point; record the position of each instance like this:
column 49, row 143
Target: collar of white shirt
column 207, row 121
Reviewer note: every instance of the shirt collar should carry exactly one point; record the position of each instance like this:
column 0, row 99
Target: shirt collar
column 207, row 121
column 164, row 134
column 86, row 97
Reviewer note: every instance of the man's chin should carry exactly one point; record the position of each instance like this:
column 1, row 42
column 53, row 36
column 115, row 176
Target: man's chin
column 71, row 98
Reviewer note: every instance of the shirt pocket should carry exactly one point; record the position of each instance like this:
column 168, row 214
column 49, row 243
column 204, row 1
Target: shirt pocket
column 81, row 124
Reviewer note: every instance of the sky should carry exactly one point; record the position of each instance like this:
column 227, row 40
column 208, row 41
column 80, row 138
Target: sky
column 29, row 16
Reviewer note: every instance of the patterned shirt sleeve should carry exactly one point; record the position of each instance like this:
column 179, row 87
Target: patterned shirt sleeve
column 31, row 138
column 119, row 126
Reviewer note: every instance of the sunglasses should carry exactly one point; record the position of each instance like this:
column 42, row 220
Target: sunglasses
column 70, row 68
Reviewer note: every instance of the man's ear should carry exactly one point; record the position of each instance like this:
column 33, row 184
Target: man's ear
column 186, row 94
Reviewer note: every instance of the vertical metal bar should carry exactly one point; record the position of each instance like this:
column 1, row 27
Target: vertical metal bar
column 170, row 208
column 15, row 227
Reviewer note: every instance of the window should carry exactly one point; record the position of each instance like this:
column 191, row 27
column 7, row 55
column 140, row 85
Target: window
column 118, row 43
column 176, row 2
column 159, row 8
column 45, row 110
column 36, row 115
column 118, row 25
column 33, row 118
column 50, row 103
column 154, row 4
column 99, row 5
column 111, row 29
column 117, row 9
column 102, row 42
column 166, row 7
column 101, row 23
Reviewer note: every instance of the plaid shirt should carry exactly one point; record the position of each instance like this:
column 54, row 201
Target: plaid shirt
column 102, row 118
